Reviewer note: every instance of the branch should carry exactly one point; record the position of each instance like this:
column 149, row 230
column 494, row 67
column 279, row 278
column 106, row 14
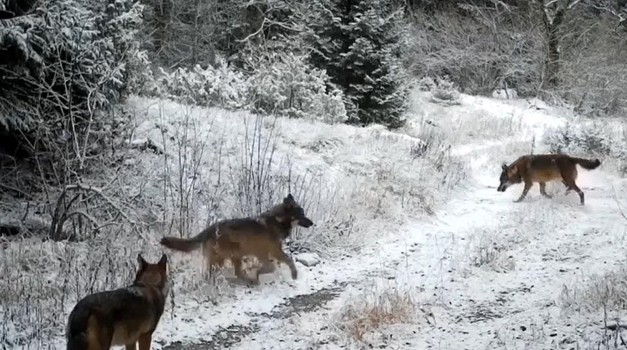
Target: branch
column 59, row 219
column 100, row 192
column 620, row 209
column 573, row 4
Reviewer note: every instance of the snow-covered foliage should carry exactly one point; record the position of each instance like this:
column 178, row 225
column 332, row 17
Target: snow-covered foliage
column 358, row 43
column 63, row 65
column 211, row 86
column 412, row 245
column 604, row 137
column 282, row 85
column 445, row 92
column 286, row 85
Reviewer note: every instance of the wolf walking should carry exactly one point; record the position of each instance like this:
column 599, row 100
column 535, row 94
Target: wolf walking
column 260, row 236
column 542, row 168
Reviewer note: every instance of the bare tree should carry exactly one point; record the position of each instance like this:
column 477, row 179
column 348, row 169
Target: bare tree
column 553, row 13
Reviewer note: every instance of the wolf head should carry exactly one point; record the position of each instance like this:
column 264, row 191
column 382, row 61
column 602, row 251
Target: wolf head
column 290, row 211
column 154, row 275
column 509, row 176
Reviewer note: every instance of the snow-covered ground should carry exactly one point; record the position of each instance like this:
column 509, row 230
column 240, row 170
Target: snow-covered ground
column 480, row 271
column 483, row 272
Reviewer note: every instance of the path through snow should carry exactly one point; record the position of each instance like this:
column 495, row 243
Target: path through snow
column 487, row 272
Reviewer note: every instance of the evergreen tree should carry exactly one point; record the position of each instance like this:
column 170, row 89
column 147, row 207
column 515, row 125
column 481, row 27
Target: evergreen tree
column 359, row 44
column 62, row 67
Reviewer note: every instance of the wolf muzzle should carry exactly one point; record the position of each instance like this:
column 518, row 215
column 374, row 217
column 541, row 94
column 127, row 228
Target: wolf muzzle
column 502, row 188
column 305, row 222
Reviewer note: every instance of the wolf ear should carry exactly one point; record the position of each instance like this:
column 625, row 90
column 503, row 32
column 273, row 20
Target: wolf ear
column 140, row 260
column 288, row 200
column 163, row 260
column 504, row 166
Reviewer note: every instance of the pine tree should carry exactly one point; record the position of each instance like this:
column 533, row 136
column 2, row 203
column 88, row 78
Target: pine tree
column 359, row 44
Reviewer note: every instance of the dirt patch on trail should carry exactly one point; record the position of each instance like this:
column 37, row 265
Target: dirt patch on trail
column 224, row 338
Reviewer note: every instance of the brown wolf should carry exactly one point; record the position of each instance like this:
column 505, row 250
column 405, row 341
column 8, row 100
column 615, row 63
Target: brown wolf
column 124, row 316
column 234, row 239
column 543, row 168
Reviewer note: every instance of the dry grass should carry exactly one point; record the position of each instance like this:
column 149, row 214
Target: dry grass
column 607, row 292
column 368, row 313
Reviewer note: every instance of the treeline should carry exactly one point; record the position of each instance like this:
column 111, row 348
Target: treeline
column 561, row 50
column 65, row 64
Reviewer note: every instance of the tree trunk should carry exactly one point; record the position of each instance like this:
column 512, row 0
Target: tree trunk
column 163, row 11
column 552, row 58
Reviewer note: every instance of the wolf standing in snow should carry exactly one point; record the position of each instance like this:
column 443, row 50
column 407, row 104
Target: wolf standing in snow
column 124, row 316
column 542, row 168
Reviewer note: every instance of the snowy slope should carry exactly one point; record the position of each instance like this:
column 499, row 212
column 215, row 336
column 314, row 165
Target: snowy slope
column 482, row 272
column 485, row 272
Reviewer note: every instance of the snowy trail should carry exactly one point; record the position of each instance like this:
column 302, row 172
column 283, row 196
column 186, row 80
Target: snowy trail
column 547, row 242
column 487, row 272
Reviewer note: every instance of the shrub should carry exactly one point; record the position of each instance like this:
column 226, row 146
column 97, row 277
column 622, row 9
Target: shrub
column 286, row 85
column 64, row 68
column 219, row 86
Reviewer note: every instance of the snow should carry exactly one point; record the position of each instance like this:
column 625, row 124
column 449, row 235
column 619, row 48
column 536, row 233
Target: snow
column 543, row 246
column 484, row 272
column 308, row 259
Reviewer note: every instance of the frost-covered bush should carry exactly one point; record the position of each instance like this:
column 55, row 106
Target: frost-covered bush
column 284, row 85
column 579, row 138
column 64, row 67
column 287, row 85
column 211, row 86
column 445, row 93
column 605, row 138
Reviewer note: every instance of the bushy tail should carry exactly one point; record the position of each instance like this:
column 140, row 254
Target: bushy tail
column 188, row 244
column 587, row 163
column 77, row 342
column 77, row 328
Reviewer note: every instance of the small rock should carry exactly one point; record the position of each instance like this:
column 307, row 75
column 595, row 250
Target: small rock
column 308, row 259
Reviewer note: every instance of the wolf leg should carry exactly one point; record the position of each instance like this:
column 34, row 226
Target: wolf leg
column 569, row 179
column 574, row 187
column 280, row 255
column 99, row 337
column 543, row 190
column 568, row 189
column 237, row 266
column 524, row 192
column 144, row 341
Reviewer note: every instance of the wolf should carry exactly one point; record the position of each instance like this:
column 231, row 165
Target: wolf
column 542, row 168
column 125, row 316
column 260, row 236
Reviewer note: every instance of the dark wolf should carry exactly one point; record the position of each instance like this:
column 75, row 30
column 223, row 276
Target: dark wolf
column 125, row 316
column 260, row 236
column 542, row 168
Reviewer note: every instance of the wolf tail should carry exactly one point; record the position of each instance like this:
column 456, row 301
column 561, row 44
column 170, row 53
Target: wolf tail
column 587, row 163
column 189, row 244
column 80, row 324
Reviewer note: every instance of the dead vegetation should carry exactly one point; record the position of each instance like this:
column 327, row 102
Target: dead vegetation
column 368, row 313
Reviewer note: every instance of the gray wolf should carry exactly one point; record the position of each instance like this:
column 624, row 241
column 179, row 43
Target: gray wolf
column 260, row 236
column 125, row 316
column 542, row 168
